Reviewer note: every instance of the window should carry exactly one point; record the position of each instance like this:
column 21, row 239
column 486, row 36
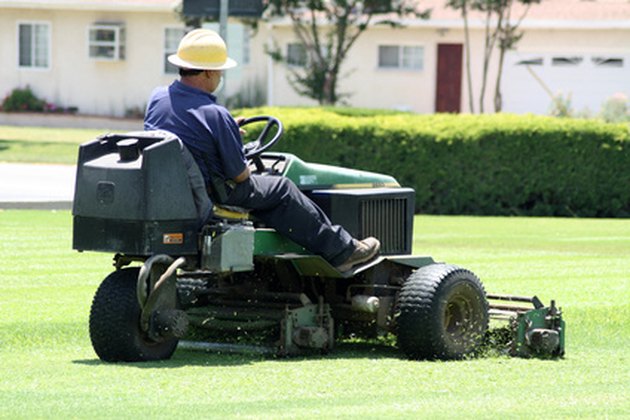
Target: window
column 400, row 57
column 296, row 55
column 607, row 61
column 107, row 42
column 34, row 45
column 246, row 45
column 566, row 61
column 172, row 36
column 531, row 62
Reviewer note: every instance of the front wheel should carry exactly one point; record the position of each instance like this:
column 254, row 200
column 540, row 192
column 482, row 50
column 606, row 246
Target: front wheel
column 442, row 313
column 115, row 322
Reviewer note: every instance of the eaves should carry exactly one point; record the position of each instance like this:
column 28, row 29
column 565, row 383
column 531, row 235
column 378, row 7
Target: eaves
column 525, row 24
column 111, row 5
column 477, row 24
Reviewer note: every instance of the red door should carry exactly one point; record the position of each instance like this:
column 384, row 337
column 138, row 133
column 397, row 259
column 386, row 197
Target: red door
column 448, row 94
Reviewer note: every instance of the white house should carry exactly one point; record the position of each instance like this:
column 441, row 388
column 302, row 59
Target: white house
column 577, row 48
column 105, row 57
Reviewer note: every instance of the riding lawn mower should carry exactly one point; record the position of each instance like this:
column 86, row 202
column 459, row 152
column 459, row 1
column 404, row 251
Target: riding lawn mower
column 209, row 283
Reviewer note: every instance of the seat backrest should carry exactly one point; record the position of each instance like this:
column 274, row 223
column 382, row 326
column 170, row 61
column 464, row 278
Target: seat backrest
column 197, row 186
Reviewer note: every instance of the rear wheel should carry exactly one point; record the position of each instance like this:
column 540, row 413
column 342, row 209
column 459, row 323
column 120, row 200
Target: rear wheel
column 115, row 322
column 442, row 313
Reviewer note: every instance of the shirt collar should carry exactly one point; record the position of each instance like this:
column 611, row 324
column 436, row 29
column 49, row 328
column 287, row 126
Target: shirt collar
column 191, row 90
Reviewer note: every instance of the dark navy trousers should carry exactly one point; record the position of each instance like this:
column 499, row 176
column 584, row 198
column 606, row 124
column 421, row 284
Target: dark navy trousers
column 278, row 202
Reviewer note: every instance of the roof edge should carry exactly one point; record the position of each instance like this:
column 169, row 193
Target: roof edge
column 526, row 24
column 167, row 6
column 480, row 24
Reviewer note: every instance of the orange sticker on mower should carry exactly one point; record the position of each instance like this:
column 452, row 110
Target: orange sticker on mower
column 173, row 238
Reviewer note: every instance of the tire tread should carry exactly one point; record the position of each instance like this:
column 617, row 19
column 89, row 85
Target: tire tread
column 114, row 322
column 419, row 328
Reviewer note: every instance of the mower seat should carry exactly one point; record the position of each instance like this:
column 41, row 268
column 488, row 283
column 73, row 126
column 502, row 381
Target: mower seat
column 230, row 213
column 206, row 208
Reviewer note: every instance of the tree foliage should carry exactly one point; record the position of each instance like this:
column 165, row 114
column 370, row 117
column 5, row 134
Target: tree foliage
column 327, row 30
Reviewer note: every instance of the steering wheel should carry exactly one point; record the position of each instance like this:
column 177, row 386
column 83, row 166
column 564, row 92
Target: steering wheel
column 264, row 141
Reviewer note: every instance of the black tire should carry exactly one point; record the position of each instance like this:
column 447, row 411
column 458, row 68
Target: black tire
column 442, row 313
column 115, row 322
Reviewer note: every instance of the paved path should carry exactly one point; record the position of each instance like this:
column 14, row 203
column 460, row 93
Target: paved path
column 36, row 186
column 48, row 186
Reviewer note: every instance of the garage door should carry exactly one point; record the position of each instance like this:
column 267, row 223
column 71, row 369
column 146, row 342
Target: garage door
column 530, row 80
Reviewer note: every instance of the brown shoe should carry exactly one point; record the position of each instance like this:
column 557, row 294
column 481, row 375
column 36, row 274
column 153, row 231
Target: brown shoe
column 365, row 250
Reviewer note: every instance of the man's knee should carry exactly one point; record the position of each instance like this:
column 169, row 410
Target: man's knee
column 277, row 185
column 286, row 185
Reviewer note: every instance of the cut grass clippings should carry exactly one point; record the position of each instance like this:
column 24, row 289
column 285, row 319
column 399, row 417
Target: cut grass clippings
column 49, row 370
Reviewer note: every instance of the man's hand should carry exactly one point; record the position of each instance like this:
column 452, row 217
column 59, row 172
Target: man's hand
column 239, row 120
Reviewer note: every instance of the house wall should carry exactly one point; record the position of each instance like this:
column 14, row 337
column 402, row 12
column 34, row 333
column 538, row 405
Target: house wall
column 372, row 87
column 375, row 87
column 586, row 84
column 74, row 79
column 113, row 88
column 104, row 87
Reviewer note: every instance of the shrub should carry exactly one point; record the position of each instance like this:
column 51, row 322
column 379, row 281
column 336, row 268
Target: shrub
column 136, row 112
column 475, row 164
column 23, row 100
column 615, row 109
column 561, row 106
column 251, row 94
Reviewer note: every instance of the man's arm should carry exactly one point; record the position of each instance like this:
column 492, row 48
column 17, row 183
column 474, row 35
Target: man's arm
column 242, row 176
column 227, row 138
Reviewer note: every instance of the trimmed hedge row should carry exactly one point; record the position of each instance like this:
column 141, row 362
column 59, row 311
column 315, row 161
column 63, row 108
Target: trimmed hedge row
column 474, row 164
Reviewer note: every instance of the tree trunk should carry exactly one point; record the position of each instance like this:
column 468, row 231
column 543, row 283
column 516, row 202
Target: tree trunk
column 487, row 53
column 329, row 94
column 498, row 98
column 471, row 103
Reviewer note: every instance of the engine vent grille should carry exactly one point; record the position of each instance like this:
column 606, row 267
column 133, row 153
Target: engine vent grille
column 385, row 213
column 386, row 219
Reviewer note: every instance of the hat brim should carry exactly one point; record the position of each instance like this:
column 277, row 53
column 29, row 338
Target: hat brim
column 176, row 61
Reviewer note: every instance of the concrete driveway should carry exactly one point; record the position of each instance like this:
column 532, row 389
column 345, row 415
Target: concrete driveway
column 35, row 186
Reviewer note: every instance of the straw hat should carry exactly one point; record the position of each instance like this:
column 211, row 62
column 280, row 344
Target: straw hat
column 202, row 49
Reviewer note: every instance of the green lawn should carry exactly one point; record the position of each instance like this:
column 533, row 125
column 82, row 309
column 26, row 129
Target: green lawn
column 43, row 145
column 48, row 368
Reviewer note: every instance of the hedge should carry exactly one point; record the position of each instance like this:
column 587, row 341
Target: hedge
column 499, row 164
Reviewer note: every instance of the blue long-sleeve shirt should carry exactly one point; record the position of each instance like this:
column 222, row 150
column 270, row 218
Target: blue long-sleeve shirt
column 206, row 128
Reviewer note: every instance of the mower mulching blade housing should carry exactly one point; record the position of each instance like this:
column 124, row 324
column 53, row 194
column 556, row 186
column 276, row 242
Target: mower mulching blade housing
column 534, row 332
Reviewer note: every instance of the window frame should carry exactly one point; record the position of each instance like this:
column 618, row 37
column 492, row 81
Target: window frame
column 33, row 23
column 567, row 60
column 532, row 61
column 247, row 45
column 296, row 64
column 118, row 44
column 166, row 51
column 400, row 65
column 608, row 61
